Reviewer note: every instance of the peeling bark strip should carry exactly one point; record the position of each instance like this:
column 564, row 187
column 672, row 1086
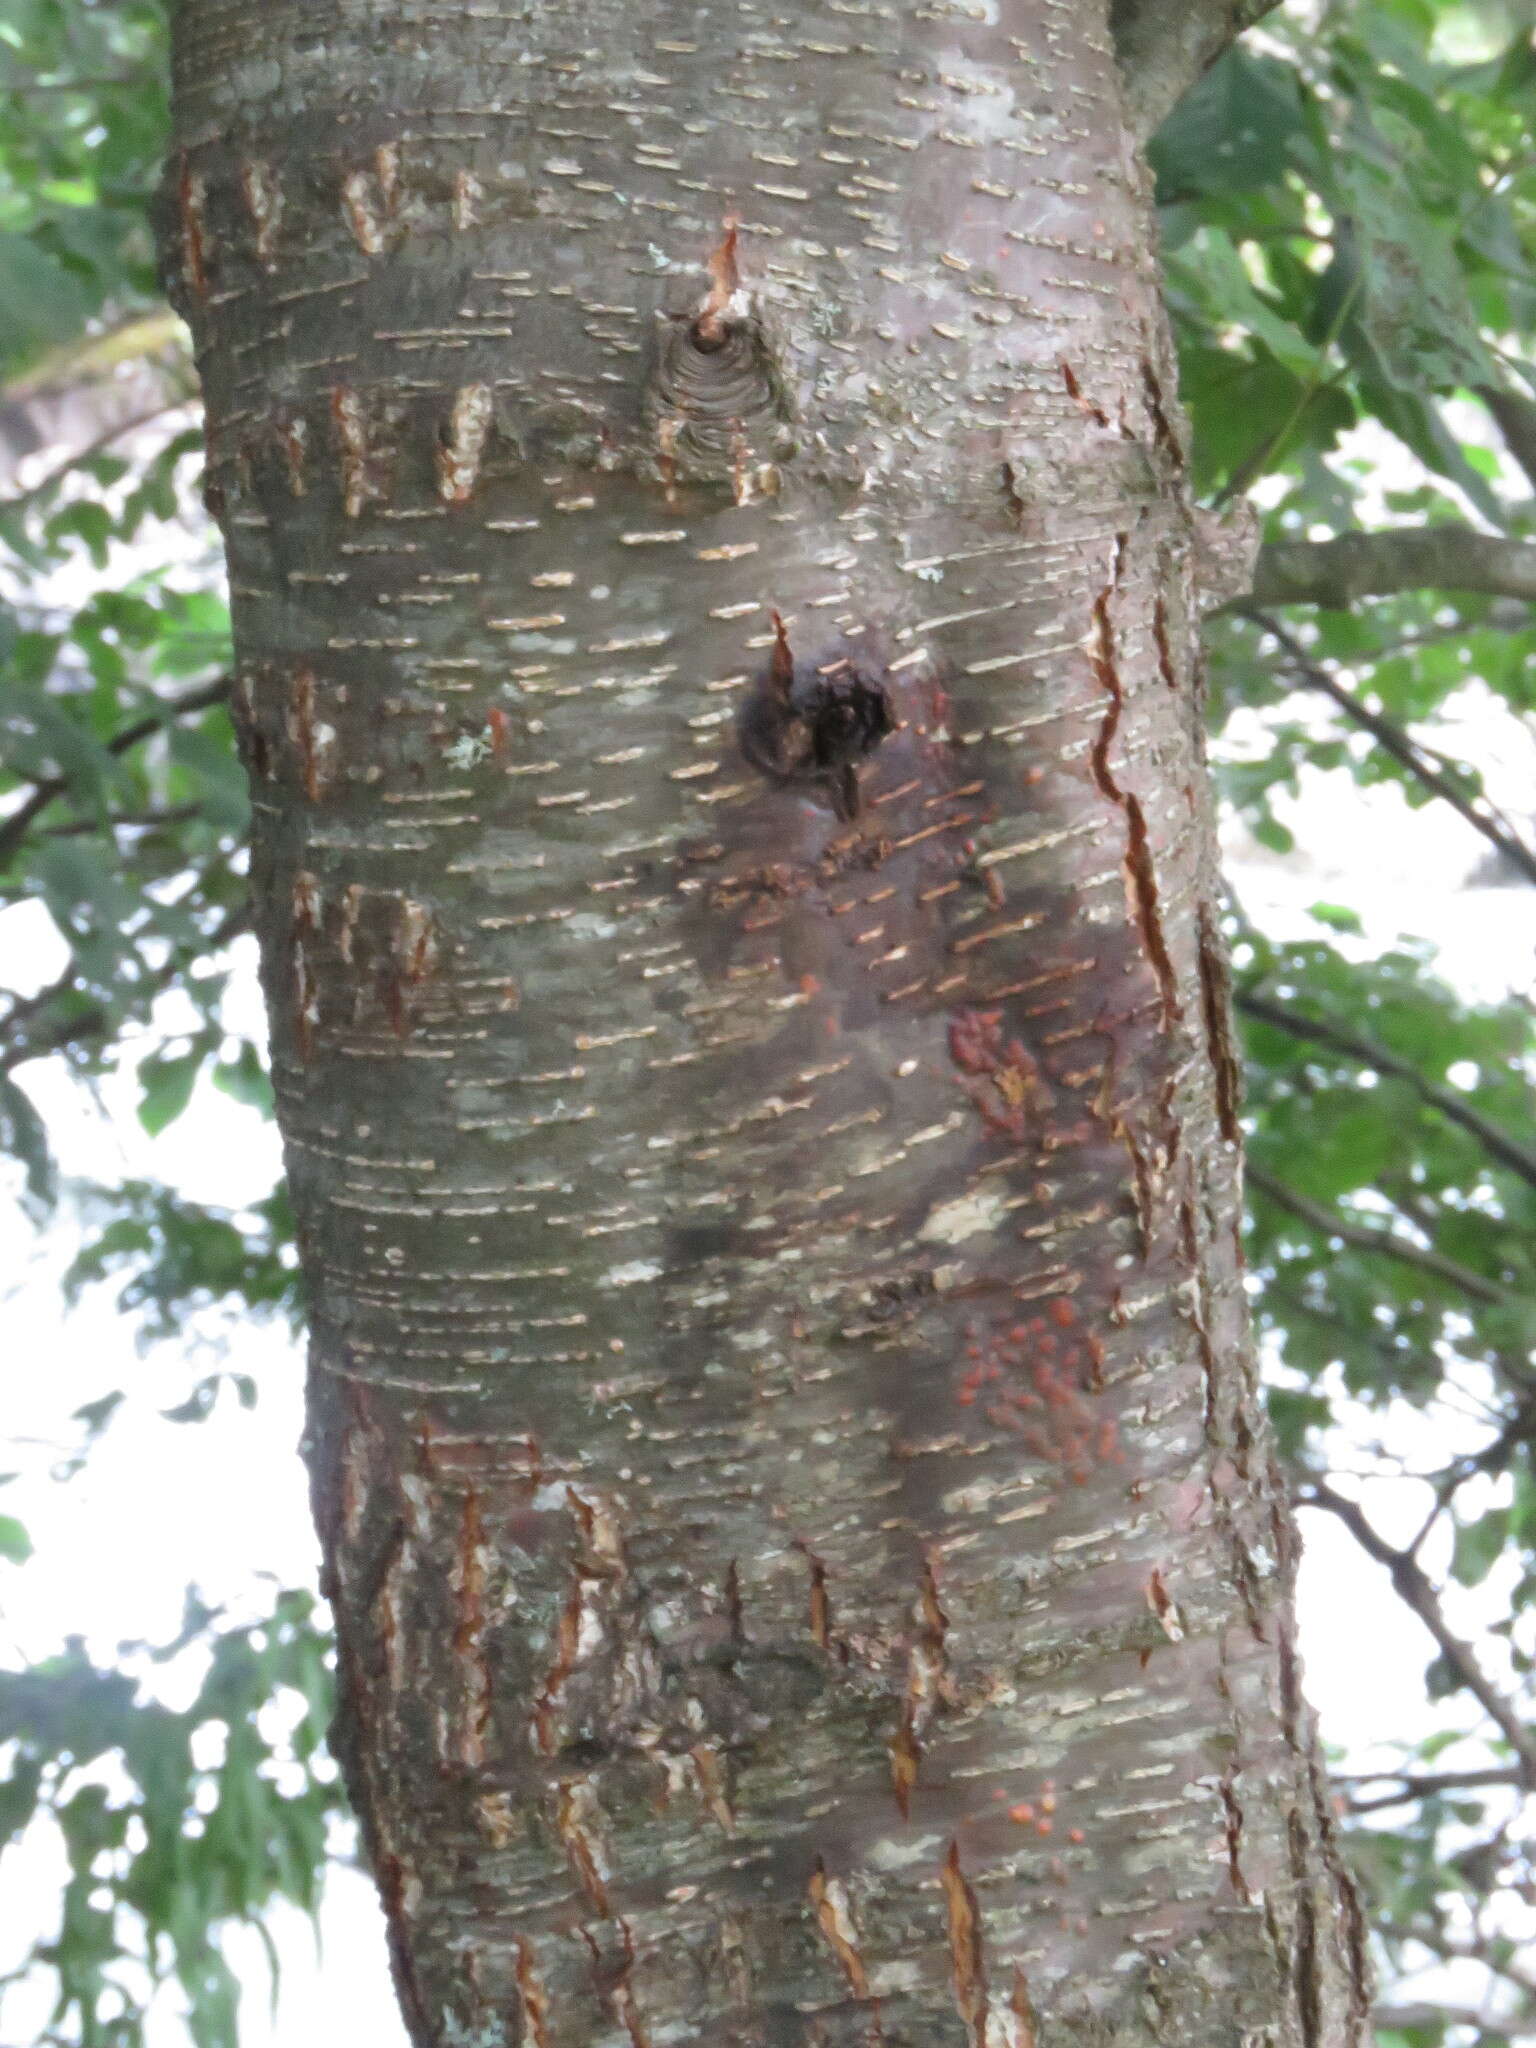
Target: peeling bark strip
column 711, row 577
column 967, row 1957
column 829, row 1897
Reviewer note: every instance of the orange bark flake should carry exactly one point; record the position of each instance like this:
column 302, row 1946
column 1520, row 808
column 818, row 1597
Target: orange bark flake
column 725, row 281
column 829, row 1900
column 968, row 1975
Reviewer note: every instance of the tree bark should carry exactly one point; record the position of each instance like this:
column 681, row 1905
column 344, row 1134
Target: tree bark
column 1164, row 45
column 709, row 547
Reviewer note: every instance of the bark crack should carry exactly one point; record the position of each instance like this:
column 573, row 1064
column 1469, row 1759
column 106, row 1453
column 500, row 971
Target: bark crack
column 1140, row 874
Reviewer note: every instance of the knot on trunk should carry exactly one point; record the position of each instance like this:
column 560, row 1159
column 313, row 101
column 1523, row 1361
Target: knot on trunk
column 716, row 400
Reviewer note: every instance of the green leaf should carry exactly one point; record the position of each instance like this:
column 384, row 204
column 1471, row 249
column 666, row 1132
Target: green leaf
column 44, row 303
column 244, row 1078
column 15, row 1543
column 1233, row 130
column 1212, row 267
column 1337, row 916
column 25, row 1136
column 1479, row 1545
column 1271, row 833
column 97, row 1414
column 167, row 1082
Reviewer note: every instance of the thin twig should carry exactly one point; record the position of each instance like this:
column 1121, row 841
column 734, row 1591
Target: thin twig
column 1399, row 744
column 1424, row 1785
column 96, row 1021
column 1401, row 2018
column 125, row 821
column 1516, row 415
column 1319, row 1031
column 1414, row 1587
column 1440, row 1944
column 1367, row 1237
column 20, row 499
column 16, row 826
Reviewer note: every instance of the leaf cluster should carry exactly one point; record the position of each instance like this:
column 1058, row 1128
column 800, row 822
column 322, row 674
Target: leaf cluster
column 174, row 1822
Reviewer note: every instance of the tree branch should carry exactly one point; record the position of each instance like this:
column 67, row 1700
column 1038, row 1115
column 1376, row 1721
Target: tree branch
column 95, row 1021
column 1424, row 1785
column 1411, row 1583
column 1405, row 2017
column 1516, row 416
column 1476, row 1950
column 125, row 821
column 1401, row 746
column 1318, row 1031
column 15, row 828
column 20, row 499
column 1338, row 573
column 98, row 355
column 1367, row 1237
column 1163, row 46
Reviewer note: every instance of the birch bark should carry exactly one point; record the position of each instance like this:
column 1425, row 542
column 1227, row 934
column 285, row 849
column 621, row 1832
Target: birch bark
column 710, row 554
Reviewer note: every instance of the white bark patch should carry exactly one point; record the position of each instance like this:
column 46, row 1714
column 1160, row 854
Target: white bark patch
column 892, row 1854
column 971, row 1216
column 635, row 1274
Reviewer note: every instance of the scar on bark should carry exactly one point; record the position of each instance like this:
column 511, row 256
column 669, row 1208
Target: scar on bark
column 313, row 741
column 461, row 444
column 393, row 1881
column 469, row 1634
column 821, row 1604
column 927, row 1683
column 292, row 431
column 1215, row 1000
column 829, row 1900
column 734, row 1611
column 191, row 194
column 710, row 328
column 714, row 1790
column 611, row 1975
column 1162, row 426
column 306, row 1001
column 1165, row 667
column 1079, row 397
column 1232, row 1813
column 1162, row 1604
column 264, row 203
column 1139, row 871
column 358, row 482
column 967, row 1965
column 577, row 1818
column 1306, row 1971
column 808, row 724
column 531, row 1991
column 412, row 959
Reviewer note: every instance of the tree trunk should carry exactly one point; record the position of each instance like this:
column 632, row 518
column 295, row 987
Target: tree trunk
column 709, row 544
